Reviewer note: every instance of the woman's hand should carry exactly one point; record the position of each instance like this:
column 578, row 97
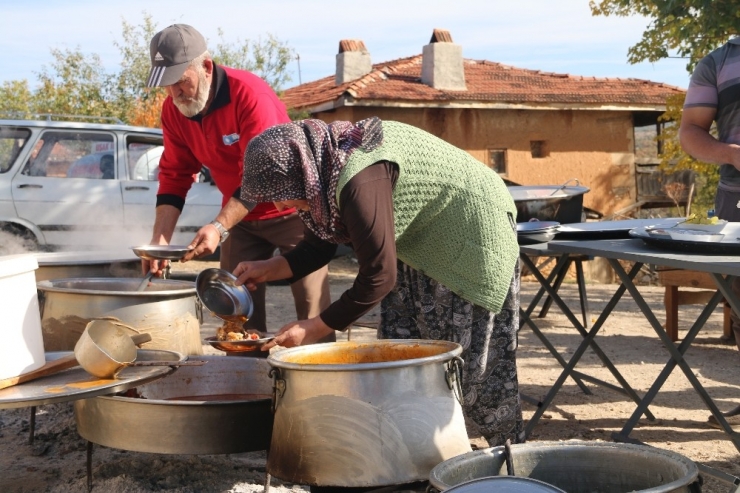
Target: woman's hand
column 251, row 273
column 299, row 333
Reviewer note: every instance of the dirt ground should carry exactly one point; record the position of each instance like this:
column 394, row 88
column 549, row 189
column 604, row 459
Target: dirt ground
column 56, row 461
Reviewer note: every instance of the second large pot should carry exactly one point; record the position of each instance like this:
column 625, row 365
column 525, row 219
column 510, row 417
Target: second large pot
column 560, row 203
column 168, row 310
column 365, row 414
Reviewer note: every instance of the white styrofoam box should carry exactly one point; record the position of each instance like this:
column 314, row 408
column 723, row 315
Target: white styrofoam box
column 22, row 349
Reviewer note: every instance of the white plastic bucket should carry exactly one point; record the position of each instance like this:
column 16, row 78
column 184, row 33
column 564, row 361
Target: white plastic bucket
column 22, row 349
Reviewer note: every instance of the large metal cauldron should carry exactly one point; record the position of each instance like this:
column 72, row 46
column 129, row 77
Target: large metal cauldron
column 222, row 407
column 577, row 467
column 62, row 265
column 560, row 203
column 168, row 310
column 365, row 414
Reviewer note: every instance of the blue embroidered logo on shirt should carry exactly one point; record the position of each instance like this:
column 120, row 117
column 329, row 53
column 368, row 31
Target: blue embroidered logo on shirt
column 231, row 139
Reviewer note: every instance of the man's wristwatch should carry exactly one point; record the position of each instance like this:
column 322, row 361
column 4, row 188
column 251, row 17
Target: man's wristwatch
column 221, row 230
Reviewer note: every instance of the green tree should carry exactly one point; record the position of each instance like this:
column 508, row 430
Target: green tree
column 268, row 58
column 16, row 99
column 76, row 84
column 687, row 29
column 674, row 159
column 130, row 94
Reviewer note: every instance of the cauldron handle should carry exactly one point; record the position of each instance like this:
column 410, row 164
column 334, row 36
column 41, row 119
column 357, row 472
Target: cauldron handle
column 41, row 295
column 453, row 375
column 564, row 185
column 278, row 387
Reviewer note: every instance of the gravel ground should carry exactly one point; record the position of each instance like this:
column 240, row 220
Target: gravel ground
column 57, row 459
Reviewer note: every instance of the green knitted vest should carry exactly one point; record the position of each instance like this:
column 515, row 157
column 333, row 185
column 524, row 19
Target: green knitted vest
column 450, row 213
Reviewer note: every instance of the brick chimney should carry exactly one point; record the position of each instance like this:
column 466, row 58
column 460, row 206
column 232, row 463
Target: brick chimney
column 442, row 63
column 353, row 61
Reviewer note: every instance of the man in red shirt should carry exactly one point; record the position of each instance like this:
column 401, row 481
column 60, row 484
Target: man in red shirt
column 210, row 116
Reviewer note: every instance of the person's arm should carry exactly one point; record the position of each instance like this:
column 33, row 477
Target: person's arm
column 366, row 205
column 165, row 220
column 208, row 238
column 309, row 255
column 699, row 143
column 177, row 169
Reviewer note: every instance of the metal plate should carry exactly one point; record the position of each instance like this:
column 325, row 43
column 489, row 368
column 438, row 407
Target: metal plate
column 611, row 230
column 729, row 245
column 76, row 383
column 161, row 252
column 238, row 346
column 534, row 238
column 536, row 226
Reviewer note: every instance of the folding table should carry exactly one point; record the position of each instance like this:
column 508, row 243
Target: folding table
column 550, row 286
column 722, row 268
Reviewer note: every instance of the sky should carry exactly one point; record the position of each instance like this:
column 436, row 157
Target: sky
column 558, row 36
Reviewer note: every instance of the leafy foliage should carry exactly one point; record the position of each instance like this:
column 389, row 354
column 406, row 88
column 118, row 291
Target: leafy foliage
column 685, row 28
column 268, row 58
column 688, row 29
column 674, row 158
column 77, row 85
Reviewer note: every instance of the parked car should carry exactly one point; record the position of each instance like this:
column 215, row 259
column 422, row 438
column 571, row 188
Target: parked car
column 79, row 186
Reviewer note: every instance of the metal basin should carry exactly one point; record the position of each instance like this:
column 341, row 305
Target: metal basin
column 563, row 204
column 61, row 265
column 168, row 310
column 365, row 414
column 577, row 467
column 222, row 407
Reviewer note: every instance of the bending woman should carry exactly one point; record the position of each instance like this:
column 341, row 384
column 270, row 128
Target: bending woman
column 435, row 237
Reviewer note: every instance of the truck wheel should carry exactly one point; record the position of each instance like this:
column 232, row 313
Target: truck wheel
column 16, row 239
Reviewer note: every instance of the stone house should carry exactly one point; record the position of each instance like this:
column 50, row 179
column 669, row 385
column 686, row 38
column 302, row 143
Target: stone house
column 533, row 127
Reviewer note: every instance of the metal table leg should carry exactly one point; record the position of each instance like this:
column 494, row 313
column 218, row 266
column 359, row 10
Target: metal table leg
column 725, row 290
column 525, row 317
column 588, row 341
column 556, row 286
column 580, row 281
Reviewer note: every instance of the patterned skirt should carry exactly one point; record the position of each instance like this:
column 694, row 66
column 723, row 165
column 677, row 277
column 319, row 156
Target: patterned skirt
column 421, row 308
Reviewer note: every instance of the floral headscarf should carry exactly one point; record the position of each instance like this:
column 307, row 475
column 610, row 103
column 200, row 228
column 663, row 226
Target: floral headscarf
column 302, row 161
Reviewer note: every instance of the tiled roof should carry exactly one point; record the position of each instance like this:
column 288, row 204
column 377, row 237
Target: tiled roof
column 486, row 82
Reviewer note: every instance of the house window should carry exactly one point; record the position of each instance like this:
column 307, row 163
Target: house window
column 539, row 148
column 497, row 160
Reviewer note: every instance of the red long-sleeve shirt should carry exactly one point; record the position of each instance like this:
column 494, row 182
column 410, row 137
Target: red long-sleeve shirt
column 242, row 107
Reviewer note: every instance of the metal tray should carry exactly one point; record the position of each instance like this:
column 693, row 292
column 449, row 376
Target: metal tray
column 239, row 346
column 611, row 230
column 76, row 383
column 531, row 232
column 534, row 238
column 161, row 252
column 729, row 245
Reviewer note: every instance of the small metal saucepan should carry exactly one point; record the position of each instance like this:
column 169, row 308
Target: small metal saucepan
column 104, row 349
column 216, row 290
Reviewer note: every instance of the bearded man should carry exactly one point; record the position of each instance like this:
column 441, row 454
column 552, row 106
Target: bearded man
column 210, row 115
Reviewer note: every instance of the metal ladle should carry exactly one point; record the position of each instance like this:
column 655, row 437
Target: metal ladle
column 565, row 185
column 145, row 282
column 104, row 349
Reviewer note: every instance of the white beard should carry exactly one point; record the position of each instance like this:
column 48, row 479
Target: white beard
column 192, row 106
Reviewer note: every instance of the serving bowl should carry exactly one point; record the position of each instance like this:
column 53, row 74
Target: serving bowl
column 218, row 293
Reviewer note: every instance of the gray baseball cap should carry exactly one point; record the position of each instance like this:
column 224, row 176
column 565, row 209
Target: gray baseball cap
column 171, row 51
